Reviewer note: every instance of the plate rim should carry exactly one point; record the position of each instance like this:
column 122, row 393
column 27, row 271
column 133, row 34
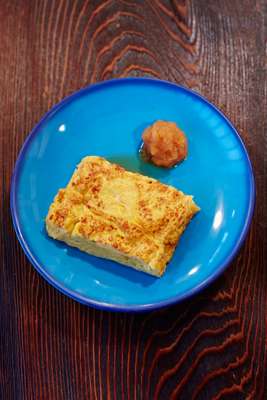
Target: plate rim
column 40, row 267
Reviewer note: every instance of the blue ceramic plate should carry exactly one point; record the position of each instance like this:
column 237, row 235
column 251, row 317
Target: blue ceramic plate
column 107, row 119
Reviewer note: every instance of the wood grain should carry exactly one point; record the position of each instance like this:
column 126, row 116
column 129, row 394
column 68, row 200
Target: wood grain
column 211, row 347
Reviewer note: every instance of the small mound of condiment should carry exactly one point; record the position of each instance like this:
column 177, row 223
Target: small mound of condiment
column 164, row 144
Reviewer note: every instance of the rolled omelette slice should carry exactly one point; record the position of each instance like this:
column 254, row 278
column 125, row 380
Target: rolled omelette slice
column 112, row 213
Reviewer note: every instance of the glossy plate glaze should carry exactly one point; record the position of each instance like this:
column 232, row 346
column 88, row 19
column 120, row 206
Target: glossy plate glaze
column 107, row 119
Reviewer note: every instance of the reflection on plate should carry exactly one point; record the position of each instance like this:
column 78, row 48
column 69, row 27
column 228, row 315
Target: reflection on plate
column 107, row 119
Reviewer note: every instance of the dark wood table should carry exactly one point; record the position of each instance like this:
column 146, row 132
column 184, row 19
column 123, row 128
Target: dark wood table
column 211, row 347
